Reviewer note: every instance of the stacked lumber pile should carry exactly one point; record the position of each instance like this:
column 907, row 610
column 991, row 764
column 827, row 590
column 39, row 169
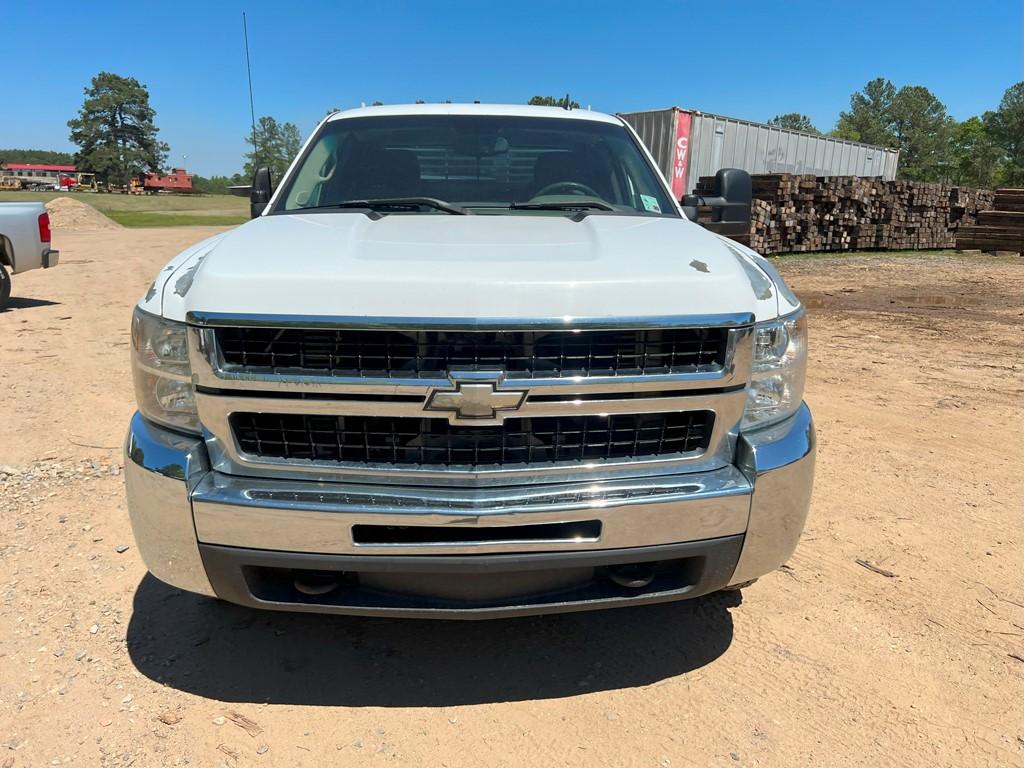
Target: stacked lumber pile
column 1001, row 229
column 793, row 213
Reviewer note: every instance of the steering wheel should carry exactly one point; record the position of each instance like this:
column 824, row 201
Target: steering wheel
column 570, row 187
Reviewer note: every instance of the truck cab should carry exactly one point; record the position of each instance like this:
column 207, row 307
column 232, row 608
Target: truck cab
column 467, row 361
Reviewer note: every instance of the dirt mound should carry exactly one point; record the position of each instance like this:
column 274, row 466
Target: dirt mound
column 66, row 213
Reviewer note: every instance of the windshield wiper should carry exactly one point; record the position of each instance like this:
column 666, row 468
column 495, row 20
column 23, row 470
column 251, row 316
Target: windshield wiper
column 566, row 206
column 399, row 202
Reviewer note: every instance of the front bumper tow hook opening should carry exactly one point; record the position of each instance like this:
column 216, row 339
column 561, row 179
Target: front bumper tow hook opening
column 315, row 584
column 632, row 575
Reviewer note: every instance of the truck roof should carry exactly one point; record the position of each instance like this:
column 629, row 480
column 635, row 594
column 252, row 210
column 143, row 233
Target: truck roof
column 505, row 110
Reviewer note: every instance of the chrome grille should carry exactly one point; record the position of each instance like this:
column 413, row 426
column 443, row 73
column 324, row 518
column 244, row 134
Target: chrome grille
column 524, row 354
column 350, row 398
column 435, row 442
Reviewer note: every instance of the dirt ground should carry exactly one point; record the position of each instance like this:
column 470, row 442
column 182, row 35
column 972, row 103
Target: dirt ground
column 917, row 386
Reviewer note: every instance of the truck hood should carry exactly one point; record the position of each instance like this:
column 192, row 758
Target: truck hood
column 483, row 266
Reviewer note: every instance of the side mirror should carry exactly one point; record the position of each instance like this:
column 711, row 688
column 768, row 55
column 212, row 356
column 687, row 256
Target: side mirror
column 259, row 195
column 730, row 205
column 736, row 188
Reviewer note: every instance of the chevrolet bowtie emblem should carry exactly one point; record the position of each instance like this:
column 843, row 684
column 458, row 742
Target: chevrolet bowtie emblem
column 474, row 396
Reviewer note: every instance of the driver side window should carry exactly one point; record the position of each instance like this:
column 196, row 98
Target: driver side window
column 641, row 185
column 317, row 171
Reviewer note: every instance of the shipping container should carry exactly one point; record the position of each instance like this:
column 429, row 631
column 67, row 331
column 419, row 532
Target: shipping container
column 687, row 144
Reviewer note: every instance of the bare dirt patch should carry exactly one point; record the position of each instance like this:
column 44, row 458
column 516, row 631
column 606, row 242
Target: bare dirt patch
column 68, row 213
column 915, row 661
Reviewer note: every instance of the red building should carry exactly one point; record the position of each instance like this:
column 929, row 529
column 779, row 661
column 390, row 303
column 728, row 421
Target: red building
column 41, row 174
column 178, row 180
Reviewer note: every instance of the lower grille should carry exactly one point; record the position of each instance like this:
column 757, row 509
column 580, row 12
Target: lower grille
column 383, row 535
column 435, row 442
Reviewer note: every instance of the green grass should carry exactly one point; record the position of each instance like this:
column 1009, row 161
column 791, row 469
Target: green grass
column 160, row 219
column 153, row 210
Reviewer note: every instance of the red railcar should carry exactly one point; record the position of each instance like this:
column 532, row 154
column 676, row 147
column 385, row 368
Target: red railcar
column 178, row 180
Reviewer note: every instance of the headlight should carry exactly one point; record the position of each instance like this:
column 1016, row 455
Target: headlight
column 780, row 365
column 163, row 377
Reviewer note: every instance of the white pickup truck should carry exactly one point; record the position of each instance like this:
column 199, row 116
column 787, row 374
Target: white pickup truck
column 468, row 361
column 24, row 243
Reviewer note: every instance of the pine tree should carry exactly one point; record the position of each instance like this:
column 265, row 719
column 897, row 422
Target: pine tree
column 114, row 130
column 277, row 144
column 794, row 121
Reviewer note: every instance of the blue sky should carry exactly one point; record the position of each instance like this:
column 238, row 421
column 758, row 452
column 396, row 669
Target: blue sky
column 743, row 59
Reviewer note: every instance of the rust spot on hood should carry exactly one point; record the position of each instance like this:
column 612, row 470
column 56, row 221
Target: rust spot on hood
column 184, row 283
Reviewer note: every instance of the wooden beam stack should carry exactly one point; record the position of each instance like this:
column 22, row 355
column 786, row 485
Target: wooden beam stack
column 1001, row 229
column 794, row 213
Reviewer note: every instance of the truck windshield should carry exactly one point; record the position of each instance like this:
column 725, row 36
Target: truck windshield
column 478, row 164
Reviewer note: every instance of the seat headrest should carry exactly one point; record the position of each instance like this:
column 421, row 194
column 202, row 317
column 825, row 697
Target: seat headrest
column 386, row 173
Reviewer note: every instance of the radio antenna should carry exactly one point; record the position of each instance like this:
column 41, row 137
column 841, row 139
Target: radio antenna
column 252, row 108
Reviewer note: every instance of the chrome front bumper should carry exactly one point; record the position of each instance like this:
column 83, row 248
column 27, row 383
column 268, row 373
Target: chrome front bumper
column 201, row 530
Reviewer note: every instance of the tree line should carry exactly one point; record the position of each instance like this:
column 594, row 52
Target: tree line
column 986, row 150
column 117, row 137
column 36, row 156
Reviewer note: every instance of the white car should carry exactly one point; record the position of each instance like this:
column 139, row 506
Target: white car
column 468, row 361
column 24, row 243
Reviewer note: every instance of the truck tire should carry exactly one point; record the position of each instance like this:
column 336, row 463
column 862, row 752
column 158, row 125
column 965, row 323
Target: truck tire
column 5, row 288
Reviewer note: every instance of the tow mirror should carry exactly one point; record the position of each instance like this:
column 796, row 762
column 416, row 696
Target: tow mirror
column 730, row 205
column 259, row 194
